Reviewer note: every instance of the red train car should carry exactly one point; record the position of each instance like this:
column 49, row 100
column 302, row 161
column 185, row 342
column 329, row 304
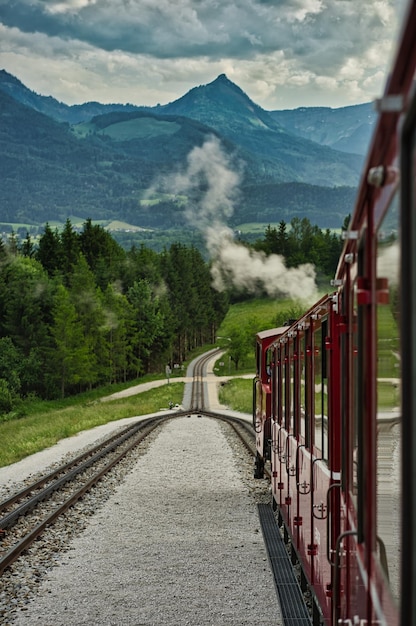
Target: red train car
column 262, row 397
column 342, row 392
column 305, row 448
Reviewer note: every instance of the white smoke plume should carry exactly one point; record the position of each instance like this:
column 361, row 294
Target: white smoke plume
column 212, row 185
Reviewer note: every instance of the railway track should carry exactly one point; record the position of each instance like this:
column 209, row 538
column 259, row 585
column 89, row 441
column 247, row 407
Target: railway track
column 26, row 514
column 33, row 521
column 198, row 400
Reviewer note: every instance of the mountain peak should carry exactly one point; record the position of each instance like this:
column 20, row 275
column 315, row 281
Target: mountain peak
column 222, row 78
column 223, row 105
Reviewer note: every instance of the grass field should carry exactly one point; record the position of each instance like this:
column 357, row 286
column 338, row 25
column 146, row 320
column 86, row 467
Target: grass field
column 254, row 316
column 43, row 428
column 44, row 423
column 387, row 343
column 237, row 393
column 263, row 312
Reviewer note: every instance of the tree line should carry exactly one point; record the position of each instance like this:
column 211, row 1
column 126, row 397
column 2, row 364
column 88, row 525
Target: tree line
column 78, row 311
column 301, row 242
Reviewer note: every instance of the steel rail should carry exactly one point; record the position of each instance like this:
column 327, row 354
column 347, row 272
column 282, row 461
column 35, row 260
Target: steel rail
column 80, row 464
column 198, row 391
column 69, row 471
column 243, row 429
column 27, row 540
column 16, row 497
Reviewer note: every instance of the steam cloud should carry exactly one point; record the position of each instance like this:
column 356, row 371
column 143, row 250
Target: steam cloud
column 211, row 185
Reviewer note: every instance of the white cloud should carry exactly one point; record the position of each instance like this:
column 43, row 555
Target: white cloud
column 284, row 54
column 71, row 6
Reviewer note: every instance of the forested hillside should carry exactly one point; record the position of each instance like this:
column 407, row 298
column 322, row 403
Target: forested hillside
column 77, row 311
column 48, row 172
column 107, row 166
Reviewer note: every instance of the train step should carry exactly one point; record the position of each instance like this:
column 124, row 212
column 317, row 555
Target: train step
column 292, row 605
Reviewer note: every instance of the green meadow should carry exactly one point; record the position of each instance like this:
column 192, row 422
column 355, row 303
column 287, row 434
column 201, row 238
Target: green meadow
column 41, row 424
column 46, row 423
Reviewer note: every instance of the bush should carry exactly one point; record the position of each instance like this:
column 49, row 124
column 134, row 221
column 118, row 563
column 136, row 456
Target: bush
column 6, row 398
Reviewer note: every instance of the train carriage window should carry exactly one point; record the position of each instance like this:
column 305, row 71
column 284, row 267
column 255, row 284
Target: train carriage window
column 308, row 387
column 321, row 390
column 282, row 386
column 273, row 383
column 269, row 361
column 295, row 387
column 258, row 358
column 285, row 386
column 279, row 386
column 388, row 390
column 303, row 387
column 345, row 394
column 288, row 387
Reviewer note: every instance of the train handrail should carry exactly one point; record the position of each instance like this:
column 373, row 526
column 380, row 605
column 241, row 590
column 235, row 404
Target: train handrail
column 337, row 567
column 306, row 486
column 328, row 519
column 279, row 448
column 291, row 471
column 383, row 557
column 323, row 509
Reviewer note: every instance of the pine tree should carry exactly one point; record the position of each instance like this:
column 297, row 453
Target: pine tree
column 70, row 248
column 148, row 321
column 71, row 358
column 28, row 248
column 87, row 299
column 117, row 317
column 49, row 251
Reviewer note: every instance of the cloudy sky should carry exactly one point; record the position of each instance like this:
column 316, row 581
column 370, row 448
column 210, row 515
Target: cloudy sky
column 282, row 53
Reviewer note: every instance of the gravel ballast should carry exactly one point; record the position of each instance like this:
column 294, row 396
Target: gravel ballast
column 177, row 542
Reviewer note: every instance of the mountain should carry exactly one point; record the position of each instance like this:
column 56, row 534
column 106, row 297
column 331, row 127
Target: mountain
column 223, row 105
column 97, row 161
column 278, row 153
column 348, row 129
column 270, row 153
column 59, row 111
column 48, row 172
